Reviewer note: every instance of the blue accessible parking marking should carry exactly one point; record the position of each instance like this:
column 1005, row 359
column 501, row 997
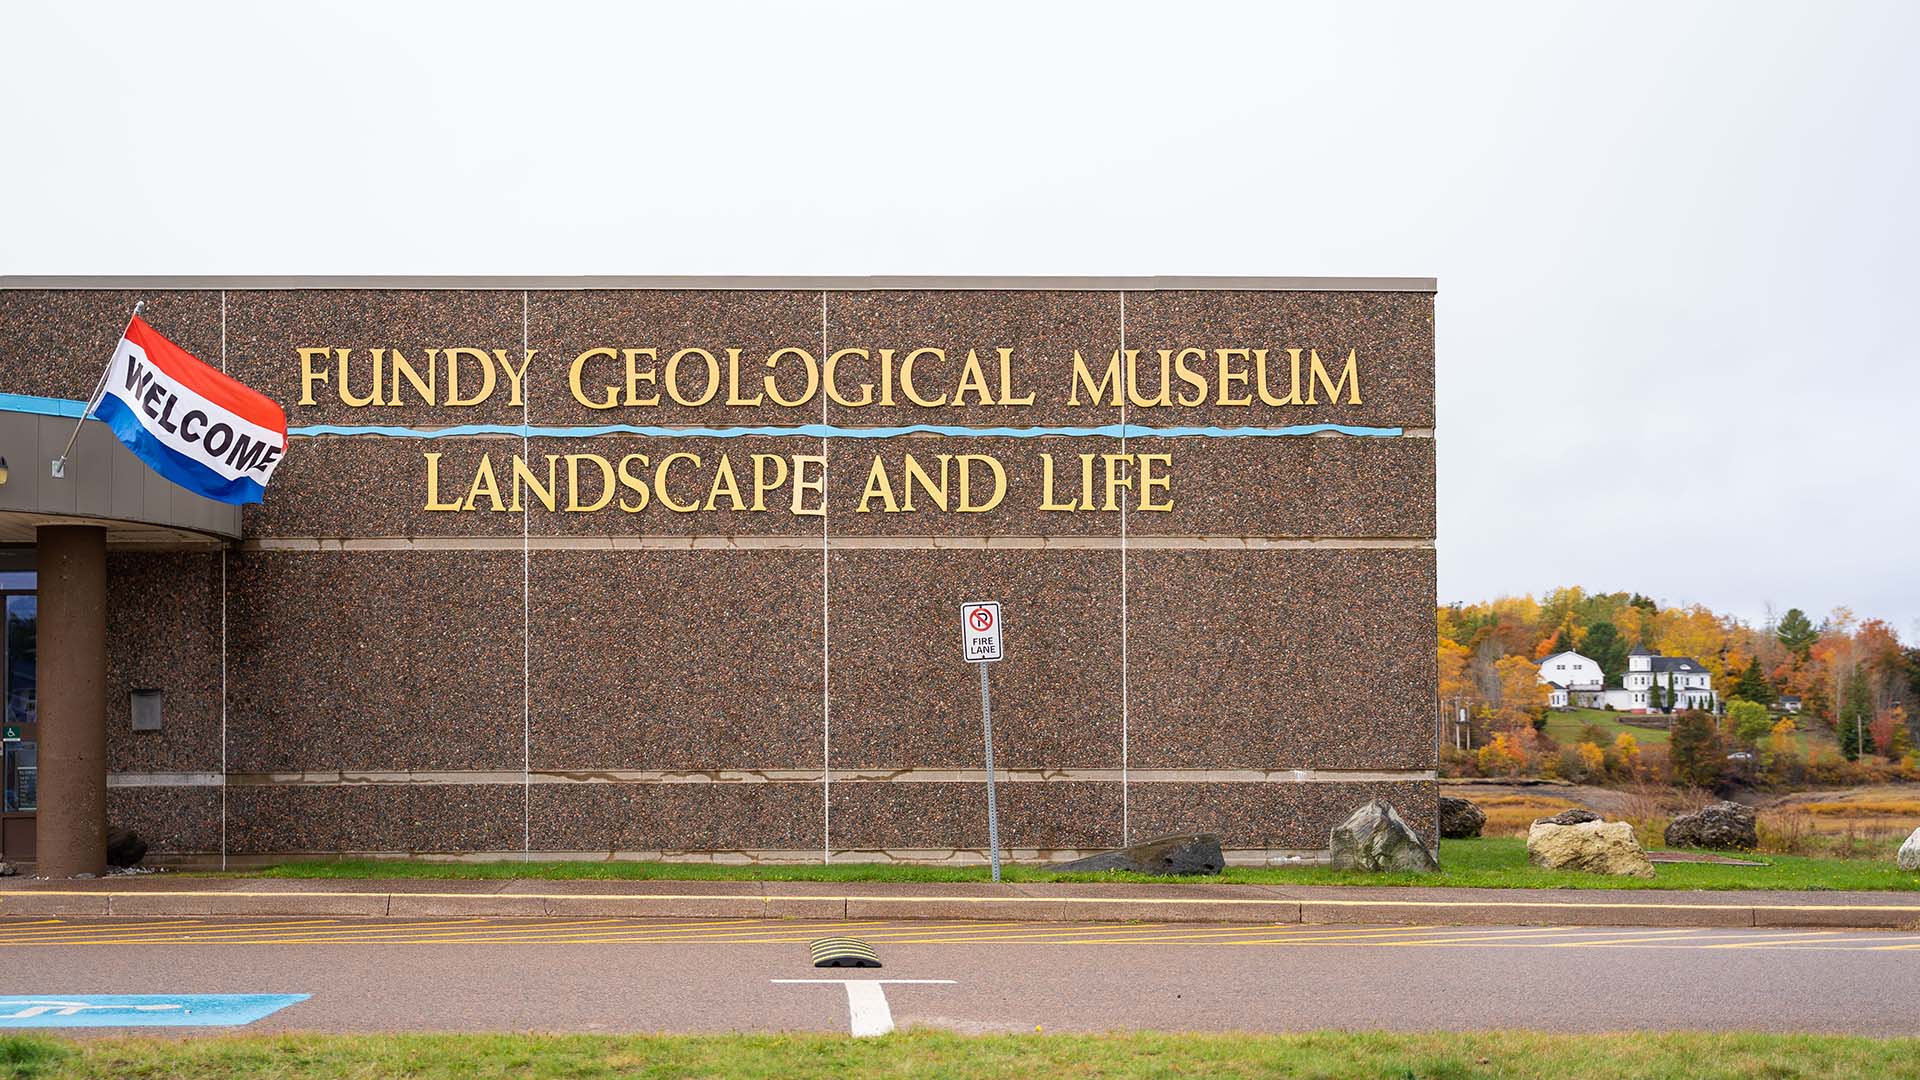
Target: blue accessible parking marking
column 141, row 1010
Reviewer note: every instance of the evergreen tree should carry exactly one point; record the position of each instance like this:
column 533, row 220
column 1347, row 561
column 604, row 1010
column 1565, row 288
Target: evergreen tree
column 1695, row 753
column 1752, row 685
column 1562, row 642
column 1856, row 715
column 1796, row 632
column 1608, row 649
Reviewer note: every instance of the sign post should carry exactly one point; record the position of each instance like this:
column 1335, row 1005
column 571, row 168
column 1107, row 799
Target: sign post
column 980, row 638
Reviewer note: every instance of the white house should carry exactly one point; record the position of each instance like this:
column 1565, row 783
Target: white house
column 1690, row 685
column 1578, row 680
column 1569, row 672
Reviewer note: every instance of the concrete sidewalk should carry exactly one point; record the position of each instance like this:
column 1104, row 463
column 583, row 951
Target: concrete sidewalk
column 1045, row 902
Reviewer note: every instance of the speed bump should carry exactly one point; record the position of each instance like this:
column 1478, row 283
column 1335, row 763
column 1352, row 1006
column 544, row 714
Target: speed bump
column 843, row 952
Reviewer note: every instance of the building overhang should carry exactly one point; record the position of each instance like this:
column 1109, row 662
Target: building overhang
column 103, row 484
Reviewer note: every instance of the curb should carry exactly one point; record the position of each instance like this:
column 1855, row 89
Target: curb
column 1475, row 912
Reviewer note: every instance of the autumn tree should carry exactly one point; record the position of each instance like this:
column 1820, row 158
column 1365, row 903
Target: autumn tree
column 1455, row 685
column 1890, row 734
column 1522, row 694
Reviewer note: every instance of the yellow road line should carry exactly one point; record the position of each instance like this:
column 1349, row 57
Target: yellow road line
column 134, row 935
column 525, row 933
column 1371, row 936
column 966, row 931
column 1612, row 937
column 418, row 931
column 1149, row 935
column 262, row 935
column 1780, row 939
column 10, row 932
column 634, row 936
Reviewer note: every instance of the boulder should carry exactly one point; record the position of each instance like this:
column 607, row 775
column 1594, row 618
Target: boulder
column 1194, row 854
column 1459, row 818
column 1724, row 826
column 1375, row 838
column 124, row 847
column 1910, row 852
column 1575, row 816
column 1593, row 847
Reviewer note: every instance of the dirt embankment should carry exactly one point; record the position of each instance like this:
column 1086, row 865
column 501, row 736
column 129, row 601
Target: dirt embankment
column 1833, row 821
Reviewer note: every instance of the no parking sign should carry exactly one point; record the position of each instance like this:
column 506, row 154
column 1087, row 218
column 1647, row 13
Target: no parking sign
column 980, row 630
column 980, row 644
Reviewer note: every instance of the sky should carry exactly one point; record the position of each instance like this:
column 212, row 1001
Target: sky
column 1675, row 242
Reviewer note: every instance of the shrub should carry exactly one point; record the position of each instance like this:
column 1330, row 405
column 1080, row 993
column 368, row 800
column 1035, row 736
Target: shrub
column 1749, row 720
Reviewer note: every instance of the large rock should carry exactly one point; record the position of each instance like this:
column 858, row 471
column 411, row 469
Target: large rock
column 1459, row 818
column 1910, row 852
column 1574, row 816
column 1374, row 838
column 1724, row 826
column 124, row 847
column 1196, row 854
column 1593, row 847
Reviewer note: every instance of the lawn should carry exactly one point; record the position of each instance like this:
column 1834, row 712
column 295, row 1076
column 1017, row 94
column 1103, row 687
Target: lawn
column 1565, row 727
column 1490, row 862
column 1456, row 1056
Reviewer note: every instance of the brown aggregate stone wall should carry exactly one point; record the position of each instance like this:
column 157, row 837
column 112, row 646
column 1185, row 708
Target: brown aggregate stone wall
column 707, row 659
column 266, row 329
column 375, row 660
column 1288, row 816
column 172, row 820
column 693, row 817
column 375, row 817
column 718, row 640
column 564, row 324
column 1281, row 659
column 163, row 633
column 900, row 696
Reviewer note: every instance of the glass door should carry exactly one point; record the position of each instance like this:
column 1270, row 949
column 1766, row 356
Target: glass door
column 19, row 716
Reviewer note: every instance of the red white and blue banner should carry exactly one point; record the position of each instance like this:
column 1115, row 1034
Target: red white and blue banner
column 195, row 426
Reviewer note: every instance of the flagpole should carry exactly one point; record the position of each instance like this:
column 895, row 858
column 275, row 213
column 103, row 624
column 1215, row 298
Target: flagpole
column 60, row 463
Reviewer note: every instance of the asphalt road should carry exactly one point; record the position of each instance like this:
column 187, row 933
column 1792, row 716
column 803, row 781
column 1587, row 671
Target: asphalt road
column 628, row 975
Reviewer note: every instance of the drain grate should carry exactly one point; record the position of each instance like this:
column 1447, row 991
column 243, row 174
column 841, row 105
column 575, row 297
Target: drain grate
column 843, row 952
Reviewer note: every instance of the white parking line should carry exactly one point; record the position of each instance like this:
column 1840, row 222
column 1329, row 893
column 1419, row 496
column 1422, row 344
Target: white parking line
column 867, row 1011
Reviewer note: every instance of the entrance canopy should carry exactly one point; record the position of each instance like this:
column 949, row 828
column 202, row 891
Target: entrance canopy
column 104, row 484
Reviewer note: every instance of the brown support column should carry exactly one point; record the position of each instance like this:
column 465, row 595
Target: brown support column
column 72, row 820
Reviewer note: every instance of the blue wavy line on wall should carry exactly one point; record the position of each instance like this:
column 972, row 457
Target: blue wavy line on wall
column 46, row 406
column 835, row 431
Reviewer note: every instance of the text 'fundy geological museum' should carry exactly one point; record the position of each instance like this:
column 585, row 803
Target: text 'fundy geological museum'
column 650, row 568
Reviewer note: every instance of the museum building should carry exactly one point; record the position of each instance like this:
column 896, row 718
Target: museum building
column 673, row 568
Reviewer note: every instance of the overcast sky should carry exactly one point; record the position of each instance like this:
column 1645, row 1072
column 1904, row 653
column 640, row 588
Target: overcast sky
column 1676, row 242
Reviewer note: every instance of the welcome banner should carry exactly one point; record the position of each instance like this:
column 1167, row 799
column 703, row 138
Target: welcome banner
column 193, row 425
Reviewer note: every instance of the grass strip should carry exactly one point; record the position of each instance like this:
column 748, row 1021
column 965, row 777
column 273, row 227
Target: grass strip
column 1439, row 1056
column 1487, row 862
